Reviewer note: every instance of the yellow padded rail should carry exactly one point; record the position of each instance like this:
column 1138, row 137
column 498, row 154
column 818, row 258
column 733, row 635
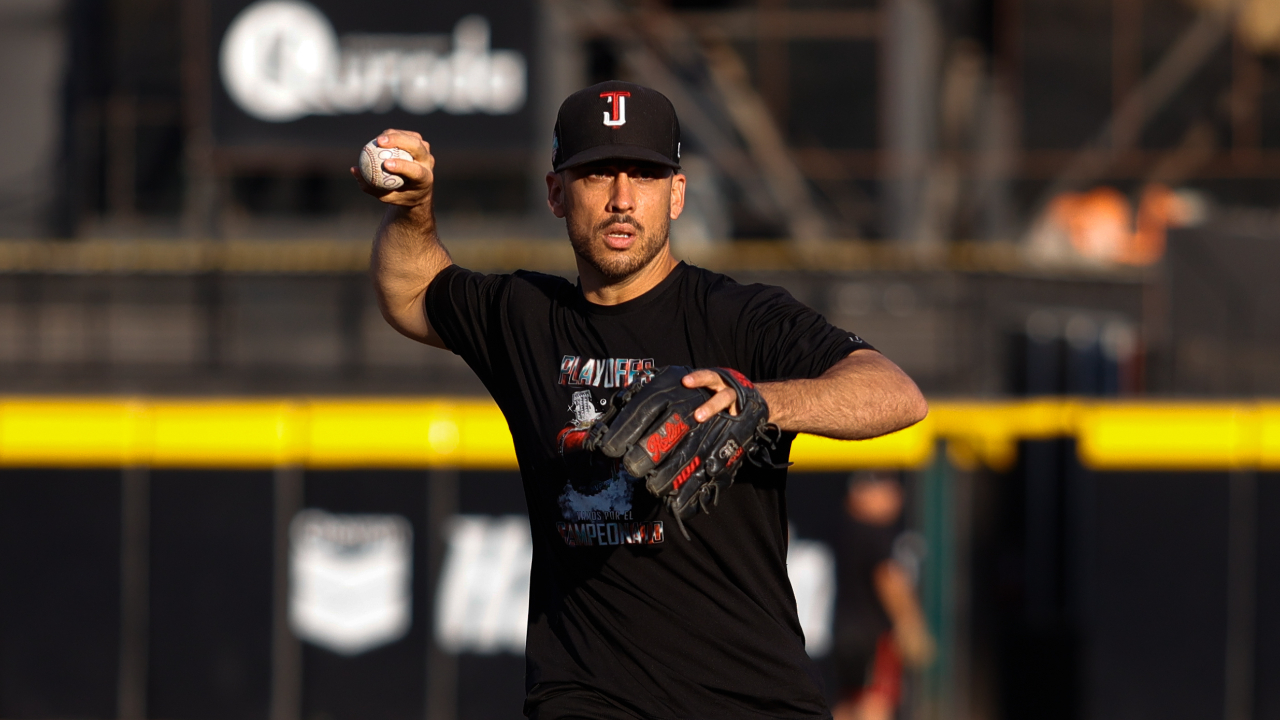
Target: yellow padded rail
column 238, row 433
column 1180, row 436
column 472, row 434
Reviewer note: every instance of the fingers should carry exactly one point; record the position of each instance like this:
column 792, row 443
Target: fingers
column 725, row 397
column 355, row 173
column 703, row 378
column 409, row 141
column 418, row 174
column 407, row 169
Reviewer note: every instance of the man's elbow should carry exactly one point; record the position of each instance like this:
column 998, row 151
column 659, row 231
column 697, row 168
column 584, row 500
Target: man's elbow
column 906, row 408
column 906, row 403
column 406, row 315
column 911, row 406
column 917, row 406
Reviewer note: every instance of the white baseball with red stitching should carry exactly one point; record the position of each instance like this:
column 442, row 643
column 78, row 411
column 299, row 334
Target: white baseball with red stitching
column 371, row 159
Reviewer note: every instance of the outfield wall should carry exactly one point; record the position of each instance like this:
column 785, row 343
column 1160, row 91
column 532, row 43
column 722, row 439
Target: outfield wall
column 1076, row 558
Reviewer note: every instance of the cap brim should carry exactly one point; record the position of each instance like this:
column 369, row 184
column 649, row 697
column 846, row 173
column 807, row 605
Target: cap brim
column 617, row 152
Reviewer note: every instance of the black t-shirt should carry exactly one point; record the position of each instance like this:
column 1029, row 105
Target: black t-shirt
column 619, row 602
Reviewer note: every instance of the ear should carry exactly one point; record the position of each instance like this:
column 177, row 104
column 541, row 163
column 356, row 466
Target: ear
column 677, row 195
column 555, row 194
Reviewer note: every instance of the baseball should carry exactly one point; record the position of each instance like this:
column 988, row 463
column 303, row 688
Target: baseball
column 371, row 159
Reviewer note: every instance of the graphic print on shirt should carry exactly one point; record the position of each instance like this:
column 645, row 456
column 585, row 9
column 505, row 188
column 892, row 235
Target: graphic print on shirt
column 606, row 373
column 596, row 501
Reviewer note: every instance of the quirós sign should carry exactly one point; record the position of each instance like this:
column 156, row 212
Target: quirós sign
column 328, row 74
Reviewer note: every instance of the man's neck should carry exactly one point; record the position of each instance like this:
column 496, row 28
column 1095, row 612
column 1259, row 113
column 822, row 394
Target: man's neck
column 600, row 291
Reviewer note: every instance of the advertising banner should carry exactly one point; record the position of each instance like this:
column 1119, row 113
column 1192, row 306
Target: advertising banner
column 329, row 74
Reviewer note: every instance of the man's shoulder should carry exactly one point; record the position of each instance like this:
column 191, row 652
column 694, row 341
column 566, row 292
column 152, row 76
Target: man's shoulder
column 531, row 286
column 723, row 291
column 520, row 281
column 541, row 279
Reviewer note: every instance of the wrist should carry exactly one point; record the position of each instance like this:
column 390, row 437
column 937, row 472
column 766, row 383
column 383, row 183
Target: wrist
column 423, row 210
column 421, row 216
column 772, row 392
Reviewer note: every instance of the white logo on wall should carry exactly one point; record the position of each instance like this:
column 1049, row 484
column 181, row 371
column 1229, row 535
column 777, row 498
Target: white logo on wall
column 281, row 60
column 812, row 568
column 349, row 580
column 482, row 604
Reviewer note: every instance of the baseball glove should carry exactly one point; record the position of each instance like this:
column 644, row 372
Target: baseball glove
column 684, row 463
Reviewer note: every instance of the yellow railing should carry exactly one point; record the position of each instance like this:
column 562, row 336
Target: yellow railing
column 472, row 434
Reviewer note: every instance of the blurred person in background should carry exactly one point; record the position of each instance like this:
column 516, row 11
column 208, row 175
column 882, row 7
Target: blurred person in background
column 879, row 623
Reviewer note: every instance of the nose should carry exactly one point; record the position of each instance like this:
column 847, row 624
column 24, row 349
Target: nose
column 621, row 199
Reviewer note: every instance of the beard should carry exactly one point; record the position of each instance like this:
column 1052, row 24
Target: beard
column 616, row 265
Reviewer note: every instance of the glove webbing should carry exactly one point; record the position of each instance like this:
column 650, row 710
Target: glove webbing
column 757, row 454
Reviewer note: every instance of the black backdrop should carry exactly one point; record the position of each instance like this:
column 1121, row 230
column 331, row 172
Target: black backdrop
column 1149, row 627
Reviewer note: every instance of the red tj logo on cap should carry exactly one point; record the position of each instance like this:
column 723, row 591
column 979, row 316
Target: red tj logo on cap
column 649, row 133
column 617, row 99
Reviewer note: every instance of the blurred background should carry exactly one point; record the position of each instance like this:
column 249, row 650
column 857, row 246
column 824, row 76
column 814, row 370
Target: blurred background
column 1013, row 199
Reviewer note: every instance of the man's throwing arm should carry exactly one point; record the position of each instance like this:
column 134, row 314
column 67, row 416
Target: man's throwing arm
column 407, row 254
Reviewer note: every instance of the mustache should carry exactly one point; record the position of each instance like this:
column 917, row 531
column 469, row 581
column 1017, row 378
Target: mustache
column 621, row 219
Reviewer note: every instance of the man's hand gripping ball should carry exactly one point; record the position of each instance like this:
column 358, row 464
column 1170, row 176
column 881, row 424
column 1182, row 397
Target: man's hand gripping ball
column 686, row 464
column 397, row 168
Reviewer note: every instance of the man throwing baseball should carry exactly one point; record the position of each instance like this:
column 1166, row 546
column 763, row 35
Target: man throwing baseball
column 652, row 405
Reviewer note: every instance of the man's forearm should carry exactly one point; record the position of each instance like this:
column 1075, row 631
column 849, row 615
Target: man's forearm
column 407, row 255
column 862, row 396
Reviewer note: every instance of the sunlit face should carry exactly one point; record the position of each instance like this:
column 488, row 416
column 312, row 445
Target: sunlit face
column 617, row 212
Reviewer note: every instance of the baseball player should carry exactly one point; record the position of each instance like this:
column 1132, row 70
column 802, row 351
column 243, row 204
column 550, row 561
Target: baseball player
column 652, row 404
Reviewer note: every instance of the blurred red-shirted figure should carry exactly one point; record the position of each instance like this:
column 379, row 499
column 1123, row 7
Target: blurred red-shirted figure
column 879, row 624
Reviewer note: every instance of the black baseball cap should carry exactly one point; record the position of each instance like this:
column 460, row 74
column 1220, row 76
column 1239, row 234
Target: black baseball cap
column 616, row 119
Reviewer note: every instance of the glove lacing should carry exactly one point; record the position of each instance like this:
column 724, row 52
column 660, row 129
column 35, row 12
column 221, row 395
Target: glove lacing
column 767, row 435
